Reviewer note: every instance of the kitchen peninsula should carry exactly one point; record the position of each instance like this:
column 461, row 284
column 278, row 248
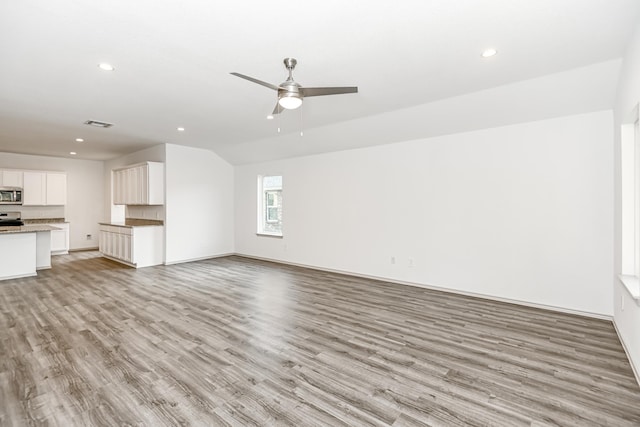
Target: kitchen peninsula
column 134, row 242
column 24, row 250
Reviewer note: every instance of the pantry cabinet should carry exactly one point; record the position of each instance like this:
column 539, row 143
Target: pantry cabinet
column 141, row 184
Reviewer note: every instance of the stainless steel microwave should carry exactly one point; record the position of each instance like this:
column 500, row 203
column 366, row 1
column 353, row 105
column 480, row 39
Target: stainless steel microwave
column 10, row 196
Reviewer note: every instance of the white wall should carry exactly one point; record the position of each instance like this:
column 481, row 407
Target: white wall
column 520, row 212
column 626, row 310
column 85, row 194
column 199, row 204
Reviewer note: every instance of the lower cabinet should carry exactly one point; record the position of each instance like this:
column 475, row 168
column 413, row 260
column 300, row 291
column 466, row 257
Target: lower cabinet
column 60, row 238
column 141, row 246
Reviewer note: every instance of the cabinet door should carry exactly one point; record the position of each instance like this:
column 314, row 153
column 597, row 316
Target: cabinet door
column 101, row 241
column 116, row 187
column 106, row 242
column 12, row 178
column 58, row 240
column 122, row 187
column 113, row 244
column 143, row 185
column 56, row 189
column 136, row 197
column 34, row 189
column 127, row 248
column 129, row 186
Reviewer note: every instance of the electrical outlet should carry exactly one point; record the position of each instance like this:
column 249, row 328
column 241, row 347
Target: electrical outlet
column 89, row 237
column 393, row 260
column 411, row 262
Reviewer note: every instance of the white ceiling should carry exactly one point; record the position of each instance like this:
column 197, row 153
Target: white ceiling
column 173, row 61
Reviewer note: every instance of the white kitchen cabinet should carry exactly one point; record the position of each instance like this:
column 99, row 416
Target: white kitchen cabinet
column 34, row 191
column 60, row 238
column 44, row 188
column 141, row 184
column 117, row 187
column 11, row 178
column 134, row 246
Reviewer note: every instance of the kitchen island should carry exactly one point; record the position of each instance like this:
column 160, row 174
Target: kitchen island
column 24, row 250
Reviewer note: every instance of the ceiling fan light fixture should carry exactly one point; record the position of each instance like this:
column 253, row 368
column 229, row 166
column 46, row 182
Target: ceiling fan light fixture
column 290, row 101
column 106, row 67
column 488, row 53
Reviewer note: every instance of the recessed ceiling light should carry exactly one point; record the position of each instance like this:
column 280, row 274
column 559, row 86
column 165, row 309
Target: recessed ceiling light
column 79, row 140
column 489, row 53
column 269, row 117
column 180, row 129
column 73, row 153
column 106, row 67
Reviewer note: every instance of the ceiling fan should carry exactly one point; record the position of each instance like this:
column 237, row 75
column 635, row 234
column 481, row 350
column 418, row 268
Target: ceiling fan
column 290, row 93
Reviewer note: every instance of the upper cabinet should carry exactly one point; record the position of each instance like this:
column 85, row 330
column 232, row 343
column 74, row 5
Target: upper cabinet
column 34, row 191
column 11, row 178
column 44, row 189
column 141, row 184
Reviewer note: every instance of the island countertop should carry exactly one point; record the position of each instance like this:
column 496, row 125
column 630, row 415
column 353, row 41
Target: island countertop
column 134, row 222
column 26, row 228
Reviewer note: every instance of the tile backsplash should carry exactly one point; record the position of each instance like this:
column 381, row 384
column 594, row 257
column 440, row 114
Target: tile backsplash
column 145, row 212
column 35, row 212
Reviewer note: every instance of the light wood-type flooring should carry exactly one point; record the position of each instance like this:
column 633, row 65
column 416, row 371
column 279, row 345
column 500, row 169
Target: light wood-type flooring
column 233, row 341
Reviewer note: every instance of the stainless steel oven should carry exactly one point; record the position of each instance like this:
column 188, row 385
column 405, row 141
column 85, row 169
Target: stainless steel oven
column 10, row 196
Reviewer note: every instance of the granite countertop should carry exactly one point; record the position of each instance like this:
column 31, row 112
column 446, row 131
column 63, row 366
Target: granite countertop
column 26, row 228
column 28, row 221
column 135, row 222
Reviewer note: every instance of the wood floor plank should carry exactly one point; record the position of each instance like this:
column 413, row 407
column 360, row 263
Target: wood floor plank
column 236, row 342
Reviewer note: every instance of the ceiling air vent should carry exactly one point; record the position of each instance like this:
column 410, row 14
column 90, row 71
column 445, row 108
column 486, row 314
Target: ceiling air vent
column 98, row 124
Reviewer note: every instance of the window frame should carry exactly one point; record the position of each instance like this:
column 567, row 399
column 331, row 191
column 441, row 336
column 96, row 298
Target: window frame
column 263, row 207
column 630, row 204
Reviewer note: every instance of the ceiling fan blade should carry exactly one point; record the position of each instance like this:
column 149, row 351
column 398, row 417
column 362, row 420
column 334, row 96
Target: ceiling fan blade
column 260, row 82
column 321, row 91
column 277, row 109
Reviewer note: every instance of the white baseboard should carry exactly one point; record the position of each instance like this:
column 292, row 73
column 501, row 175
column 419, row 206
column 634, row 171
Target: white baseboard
column 635, row 370
column 199, row 259
column 439, row 288
column 92, row 248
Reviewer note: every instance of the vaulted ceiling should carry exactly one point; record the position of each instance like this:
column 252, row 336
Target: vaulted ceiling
column 172, row 62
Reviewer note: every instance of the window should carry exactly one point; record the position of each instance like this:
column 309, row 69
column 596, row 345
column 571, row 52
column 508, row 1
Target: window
column 630, row 180
column 273, row 206
column 270, row 205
